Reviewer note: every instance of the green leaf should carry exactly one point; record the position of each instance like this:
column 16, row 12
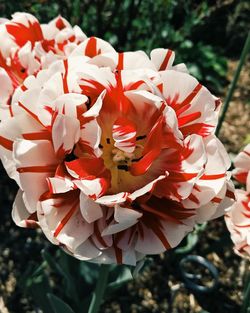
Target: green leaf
column 89, row 272
column 192, row 240
column 52, row 263
column 123, row 277
column 58, row 305
column 36, row 285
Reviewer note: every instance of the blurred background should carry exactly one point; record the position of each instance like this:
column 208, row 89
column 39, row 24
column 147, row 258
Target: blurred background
column 206, row 35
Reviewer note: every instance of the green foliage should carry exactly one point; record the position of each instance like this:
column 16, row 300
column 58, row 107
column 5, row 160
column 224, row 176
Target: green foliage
column 141, row 24
column 119, row 276
column 36, row 284
column 191, row 240
column 246, row 294
column 58, row 305
column 62, row 284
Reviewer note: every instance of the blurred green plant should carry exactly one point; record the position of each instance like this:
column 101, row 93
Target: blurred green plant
column 246, row 292
column 62, row 284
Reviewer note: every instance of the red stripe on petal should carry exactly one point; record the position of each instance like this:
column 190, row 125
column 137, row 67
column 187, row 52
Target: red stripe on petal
column 160, row 214
column 194, row 199
column 160, row 87
column 37, row 169
column 190, row 97
column 66, row 218
column 230, row 194
column 246, row 205
column 216, row 200
column 91, row 47
column 31, row 221
column 183, row 109
column 24, row 88
column 242, row 226
column 248, row 154
column 87, row 167
column 10, row 109
column 241, row 249
column 161, row 236
column 120, row 64
column 134, row 86
column 23, row 34
column 181, row 177
column 164, row 64
column 141, row 167
column 124, row 134
column 60, row 24
column 155, row 226
column 151, row 150
column 188, row 118
column 6, row 143
column 30, row 112
column 201, row 129
column 65, row 77
column 241, row 177
column 99, row 237
column 31, row 224
column 42, row 135
column 211, row 177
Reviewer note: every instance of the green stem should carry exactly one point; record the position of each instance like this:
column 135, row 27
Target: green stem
column 100, row 289
column 243, row 56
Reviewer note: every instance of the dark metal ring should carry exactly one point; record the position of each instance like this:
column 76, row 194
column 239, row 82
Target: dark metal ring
column 189, row 279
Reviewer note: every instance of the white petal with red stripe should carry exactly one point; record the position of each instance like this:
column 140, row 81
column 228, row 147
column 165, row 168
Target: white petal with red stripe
column 124, row 134
column 160, row 238
column 21, row 216
column 65, row 133
column 162, row 58
column 60, row 185
column 62, row 222
column 6, row 92
column 90, row 136
column 214, row 178
column 123, row 219
column 35, row 161
column 93, row 46
column 91, row 211
column 195, row 106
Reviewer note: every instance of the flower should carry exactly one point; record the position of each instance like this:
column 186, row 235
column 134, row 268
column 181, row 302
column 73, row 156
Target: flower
column 115, row 153
column 27, row 46
column 237, row 217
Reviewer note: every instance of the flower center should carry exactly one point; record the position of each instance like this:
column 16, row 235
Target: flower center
column 119, row 162
column 120, row 156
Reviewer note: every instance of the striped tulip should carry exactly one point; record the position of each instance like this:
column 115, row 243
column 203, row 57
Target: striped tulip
column 27, row 46
column 238, row 217
column 115, row 153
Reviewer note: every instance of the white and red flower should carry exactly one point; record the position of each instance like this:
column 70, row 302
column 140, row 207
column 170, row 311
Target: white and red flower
column 26, row 47
column 238, row 217
column 115, row 153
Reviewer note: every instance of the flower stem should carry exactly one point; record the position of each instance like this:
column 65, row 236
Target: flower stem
column 100, row 289
column 243, row 56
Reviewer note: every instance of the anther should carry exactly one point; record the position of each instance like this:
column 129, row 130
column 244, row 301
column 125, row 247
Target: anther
column 123, row 167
